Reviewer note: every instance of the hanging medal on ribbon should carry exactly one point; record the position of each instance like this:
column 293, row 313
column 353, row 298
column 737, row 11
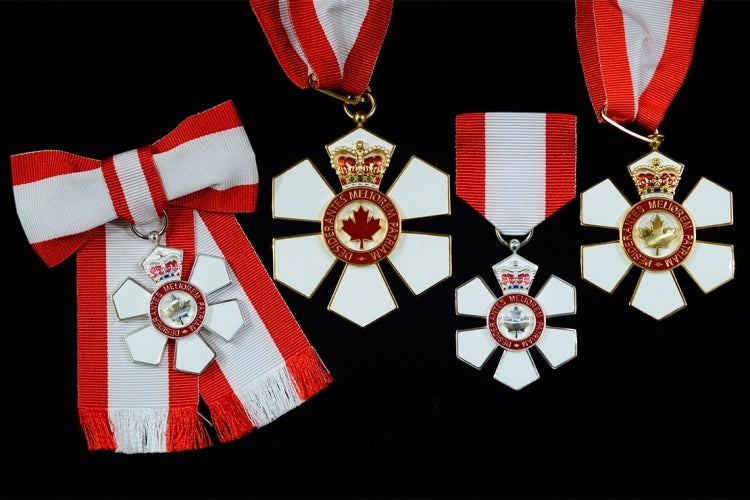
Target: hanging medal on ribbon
column 174, row 304
column 332, row 47
column 493, row 152
column 635, row 56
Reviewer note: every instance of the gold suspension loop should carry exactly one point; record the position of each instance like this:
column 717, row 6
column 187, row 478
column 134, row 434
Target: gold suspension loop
column 360, row 117
column 654, row 140
column 312, row 80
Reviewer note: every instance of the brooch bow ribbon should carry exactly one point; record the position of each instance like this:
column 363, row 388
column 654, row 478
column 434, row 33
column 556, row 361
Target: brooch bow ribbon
column 194, row 177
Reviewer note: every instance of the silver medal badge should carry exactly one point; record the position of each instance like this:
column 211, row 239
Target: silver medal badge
column 176, row 309
column 516, row 321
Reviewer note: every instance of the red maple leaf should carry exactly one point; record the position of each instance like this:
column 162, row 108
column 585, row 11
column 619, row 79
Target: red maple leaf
column 361, row 227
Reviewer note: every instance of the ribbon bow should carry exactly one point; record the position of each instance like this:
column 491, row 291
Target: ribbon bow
column 205, row 163
column 197, row 174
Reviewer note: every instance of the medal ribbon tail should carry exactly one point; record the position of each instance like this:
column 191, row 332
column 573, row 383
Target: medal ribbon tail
column 269, row 367
column 162, row 413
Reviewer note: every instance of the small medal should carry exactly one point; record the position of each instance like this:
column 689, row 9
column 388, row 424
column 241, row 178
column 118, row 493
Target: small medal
column 516, row 321
column 177, row 310
column 657, row 234
column 361, row 225
column 493, row 151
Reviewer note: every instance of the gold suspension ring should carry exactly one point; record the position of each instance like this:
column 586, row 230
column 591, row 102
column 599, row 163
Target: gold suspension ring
column 359, row 116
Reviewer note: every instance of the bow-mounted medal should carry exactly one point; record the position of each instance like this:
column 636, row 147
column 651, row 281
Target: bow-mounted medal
column 177, row 309
column 210, row 330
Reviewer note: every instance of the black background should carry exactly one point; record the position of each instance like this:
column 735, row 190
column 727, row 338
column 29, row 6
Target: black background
column 647, row 409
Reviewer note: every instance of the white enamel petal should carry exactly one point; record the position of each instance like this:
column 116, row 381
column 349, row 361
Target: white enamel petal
column 475, row 346
column 604, row 265
column 146, row 345
column 131, row 300
column 422, row 260
column 516, row 369
column 224, row 319
column 710, row 265
column 709, row 204
column 362, row 295
column 192, row 354
column 209, row 273
column 474, row 298
column 301, row 262
column 558, row 345
column 657, row 294
column 603, row 205
column 300, row 193
column 557, row 297
column 421, row 190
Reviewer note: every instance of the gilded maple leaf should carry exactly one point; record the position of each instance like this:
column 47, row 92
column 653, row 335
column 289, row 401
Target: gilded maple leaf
column 361, row 226
column 657, row 236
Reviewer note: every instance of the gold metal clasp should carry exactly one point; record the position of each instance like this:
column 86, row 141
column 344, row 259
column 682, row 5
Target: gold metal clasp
column 359, row 116
column 654, row 140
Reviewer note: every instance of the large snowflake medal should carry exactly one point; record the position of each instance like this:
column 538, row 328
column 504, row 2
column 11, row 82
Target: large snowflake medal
column 657, row 235
column 177, row 310
column 361, row 226
column 516, row 322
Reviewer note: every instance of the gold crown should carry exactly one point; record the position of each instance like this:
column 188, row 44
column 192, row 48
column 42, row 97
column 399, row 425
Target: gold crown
column 360, row 166
column 655, row 175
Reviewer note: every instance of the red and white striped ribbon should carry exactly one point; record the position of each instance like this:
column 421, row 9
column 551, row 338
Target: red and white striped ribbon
column 198, row 175
column 336, row 42
column 206, row 162
column 516, row 169
column 635, row 55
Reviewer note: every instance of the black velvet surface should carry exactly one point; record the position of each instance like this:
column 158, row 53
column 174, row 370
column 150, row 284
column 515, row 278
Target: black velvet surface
column 647, row 409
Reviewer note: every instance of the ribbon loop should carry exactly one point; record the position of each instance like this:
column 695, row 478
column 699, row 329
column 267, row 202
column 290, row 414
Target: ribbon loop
column 635, row 55
column 135, row 186
column 206, row 163
column 336, row 43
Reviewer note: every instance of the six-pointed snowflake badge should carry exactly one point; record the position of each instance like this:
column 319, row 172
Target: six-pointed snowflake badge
column 516, row 322
column 361, row 226
column 177, row 309
column 657, row 235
